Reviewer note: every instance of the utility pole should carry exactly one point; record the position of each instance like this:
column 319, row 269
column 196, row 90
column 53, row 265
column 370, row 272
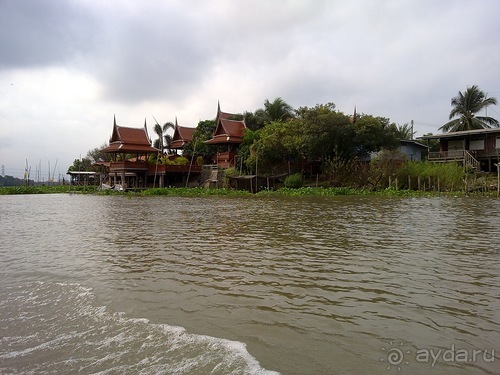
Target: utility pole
column 411, row 135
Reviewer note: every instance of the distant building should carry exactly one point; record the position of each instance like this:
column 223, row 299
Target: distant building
column 413, row 150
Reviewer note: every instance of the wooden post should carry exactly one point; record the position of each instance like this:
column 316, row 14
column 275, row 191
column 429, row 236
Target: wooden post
column 256, row 173
column 418, row 182
column 498, row 179
column 409, row 182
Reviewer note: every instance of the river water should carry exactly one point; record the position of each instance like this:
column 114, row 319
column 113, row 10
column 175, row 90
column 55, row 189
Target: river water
column 224, row 285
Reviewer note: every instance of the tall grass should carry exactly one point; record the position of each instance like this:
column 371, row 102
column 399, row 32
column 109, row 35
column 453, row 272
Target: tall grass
column 43, row 189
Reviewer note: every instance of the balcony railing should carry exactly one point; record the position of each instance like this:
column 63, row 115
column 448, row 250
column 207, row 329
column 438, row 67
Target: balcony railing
column 171, row 168
column 447, row 155
column 116, row 166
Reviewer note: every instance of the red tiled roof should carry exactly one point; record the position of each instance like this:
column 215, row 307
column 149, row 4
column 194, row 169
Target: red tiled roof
column 131, row 140
column 182, row 135
column 227, row 131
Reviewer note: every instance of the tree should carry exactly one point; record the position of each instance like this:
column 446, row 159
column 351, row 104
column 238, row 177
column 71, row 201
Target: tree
column 277, row 110
column 326, row 132
column 202, row 133
column 164, row 139
column 81, row 165
column 405, row 131
column 375, row 133
column 466, row 105
column 96, row 154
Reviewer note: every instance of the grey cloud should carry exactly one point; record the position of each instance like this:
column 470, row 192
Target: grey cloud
column 36, row 33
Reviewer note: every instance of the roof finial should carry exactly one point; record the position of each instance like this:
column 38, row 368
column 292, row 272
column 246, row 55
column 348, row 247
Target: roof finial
column 176, row 121
column 114, row 120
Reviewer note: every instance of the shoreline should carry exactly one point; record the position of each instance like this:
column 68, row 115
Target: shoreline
column 193, row 192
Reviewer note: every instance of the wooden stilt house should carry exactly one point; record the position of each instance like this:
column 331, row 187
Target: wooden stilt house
column 130, row 149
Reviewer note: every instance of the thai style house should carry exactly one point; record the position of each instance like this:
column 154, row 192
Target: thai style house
column 227, row 136
column 182, row 136
column 131, row 168
column 479, row 148
column 130, row 149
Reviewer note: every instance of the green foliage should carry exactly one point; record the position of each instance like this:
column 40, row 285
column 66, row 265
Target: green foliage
column 341, row 172
column 179, row 160
column 375, row 133
column 43, row 189
column 81, row 165
column 96, row 155
column 277, row 110
column 164, row 140
column 323, row 132
column 405, row 131
column 294, row 181
column 465, row 106
column 387, row 165
column 202, row 133
column 449, row 176
column 231, row 172
column 273, row 145
column 193, row 192
column 14, row 181
column 244, row 150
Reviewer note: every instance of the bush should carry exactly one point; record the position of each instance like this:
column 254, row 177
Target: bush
column 294, row 181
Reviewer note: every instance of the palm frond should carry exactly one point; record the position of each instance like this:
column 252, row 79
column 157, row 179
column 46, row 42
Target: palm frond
column 465, row 106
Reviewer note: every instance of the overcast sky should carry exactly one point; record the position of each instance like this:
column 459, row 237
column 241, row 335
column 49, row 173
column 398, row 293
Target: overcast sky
column 67, row 67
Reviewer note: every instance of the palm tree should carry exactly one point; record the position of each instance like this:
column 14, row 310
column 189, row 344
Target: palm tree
column 466, row 105
column 164, row 140
column 405, row 131
column 277, row 110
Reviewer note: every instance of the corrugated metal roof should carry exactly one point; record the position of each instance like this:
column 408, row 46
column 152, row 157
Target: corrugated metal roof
column 461, row 133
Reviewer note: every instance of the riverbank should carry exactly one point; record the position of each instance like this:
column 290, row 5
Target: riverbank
column 184, row 192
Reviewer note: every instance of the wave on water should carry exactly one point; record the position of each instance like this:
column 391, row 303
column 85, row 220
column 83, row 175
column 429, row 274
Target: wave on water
column 58, row 328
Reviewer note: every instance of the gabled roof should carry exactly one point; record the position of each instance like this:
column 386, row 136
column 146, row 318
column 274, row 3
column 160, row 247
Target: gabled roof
column 222, row 115
column 182, row 135
column 131, row 140
column 463, row 133
column 411, row 142
column 227, row 131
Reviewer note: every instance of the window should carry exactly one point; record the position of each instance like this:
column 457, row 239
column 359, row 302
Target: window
column 476, row 144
